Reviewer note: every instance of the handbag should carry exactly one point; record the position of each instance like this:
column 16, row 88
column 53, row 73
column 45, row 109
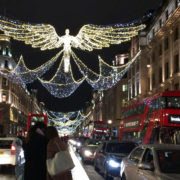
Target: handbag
column 60, row 163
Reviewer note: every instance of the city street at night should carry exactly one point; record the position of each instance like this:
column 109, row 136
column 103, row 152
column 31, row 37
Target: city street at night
column 90, row 90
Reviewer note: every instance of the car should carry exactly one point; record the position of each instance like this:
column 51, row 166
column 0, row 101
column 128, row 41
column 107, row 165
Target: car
column 88, row 149
column 80, row 142
column 11, row 151
column 152, row 162
column 108, row 157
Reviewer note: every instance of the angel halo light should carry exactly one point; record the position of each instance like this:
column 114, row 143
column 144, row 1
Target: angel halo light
column 89, row 37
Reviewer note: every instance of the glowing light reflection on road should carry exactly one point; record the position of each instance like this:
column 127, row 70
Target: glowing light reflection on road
column 78, row 171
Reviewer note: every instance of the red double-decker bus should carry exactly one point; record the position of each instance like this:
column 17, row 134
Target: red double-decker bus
column 100, row 128
column 33, row 118
column 153, row 120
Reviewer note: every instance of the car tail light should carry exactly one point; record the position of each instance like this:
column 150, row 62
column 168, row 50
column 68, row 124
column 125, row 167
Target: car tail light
column 13, row 149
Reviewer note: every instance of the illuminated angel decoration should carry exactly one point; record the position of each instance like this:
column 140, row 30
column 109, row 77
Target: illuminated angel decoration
column 89, row 37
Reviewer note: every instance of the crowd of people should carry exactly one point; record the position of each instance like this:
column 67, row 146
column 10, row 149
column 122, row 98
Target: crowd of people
column 39, row 146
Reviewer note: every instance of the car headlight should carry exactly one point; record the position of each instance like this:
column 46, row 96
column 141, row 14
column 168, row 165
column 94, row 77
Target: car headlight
column 78, row 144
column 88, row 153
column 113, row 163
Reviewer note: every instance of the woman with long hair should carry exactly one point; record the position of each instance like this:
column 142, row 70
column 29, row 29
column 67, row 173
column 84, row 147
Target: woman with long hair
column 54, row 142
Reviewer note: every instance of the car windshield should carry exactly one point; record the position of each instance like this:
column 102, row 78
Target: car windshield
column 125, row 148
column 5, row 144
column 93, row 142
column 100, row 125
column 169, row 161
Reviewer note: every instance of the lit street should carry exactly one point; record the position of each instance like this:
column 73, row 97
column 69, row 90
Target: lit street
column 90, row 90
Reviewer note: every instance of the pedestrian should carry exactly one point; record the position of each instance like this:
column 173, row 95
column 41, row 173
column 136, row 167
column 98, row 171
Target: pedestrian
column 35, row 153
column 52, row 149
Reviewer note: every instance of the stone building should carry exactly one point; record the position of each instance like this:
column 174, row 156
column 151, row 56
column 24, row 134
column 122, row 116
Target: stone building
column 15, row 100
column 157, row 69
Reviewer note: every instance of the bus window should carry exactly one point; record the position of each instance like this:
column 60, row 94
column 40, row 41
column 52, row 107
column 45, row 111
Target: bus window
column 33, row 118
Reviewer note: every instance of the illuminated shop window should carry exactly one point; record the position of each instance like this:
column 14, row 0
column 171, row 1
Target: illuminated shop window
column 124, row 87
column 4, row 98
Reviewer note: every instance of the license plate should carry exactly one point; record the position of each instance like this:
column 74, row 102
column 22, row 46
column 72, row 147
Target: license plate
column 1, row 153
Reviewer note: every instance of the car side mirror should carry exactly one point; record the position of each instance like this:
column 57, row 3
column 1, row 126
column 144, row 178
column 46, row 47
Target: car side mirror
column 146, row 166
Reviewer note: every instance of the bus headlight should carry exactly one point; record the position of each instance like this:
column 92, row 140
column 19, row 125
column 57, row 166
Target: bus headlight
column 113, row 163
column 88, row 153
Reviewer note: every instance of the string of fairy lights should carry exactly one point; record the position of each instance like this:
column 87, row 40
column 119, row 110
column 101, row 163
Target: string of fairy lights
column 63, row 83
column 90, row 37
column 66, row 123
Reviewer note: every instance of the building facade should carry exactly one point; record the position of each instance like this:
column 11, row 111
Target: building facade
column 157, row 69
column 15, row 100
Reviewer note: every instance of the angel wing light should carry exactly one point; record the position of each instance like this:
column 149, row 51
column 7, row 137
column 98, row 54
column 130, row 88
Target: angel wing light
column 90, row 36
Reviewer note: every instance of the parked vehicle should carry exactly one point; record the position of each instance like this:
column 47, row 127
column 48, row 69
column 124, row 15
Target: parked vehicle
column 109, row 155
column 88, row 149
column 152, row 162
column 11, row 151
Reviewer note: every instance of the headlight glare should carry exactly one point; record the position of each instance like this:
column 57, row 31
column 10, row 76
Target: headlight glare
column 88, row 153
column 113, row 163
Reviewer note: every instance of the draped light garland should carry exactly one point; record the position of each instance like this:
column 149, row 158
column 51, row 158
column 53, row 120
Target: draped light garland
column 62, row 84
column 66, row 123
column 109, row 75
column 22, row 74
column 89, row 37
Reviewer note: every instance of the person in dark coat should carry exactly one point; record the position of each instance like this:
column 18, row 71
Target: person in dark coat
column 35, row 153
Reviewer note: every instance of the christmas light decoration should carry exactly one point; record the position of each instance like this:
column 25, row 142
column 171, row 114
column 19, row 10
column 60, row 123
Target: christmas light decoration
column 62, row 84
column 109, row 75
column 90, row 36
column 21, row 74
column 66, row 123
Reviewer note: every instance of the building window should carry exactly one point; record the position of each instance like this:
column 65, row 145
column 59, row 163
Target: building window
column 166, row 43
column 149, row 84
column 176, row 34
column 167, row 15
column 176, row 63
column 153, row 80
column 160, row 49
column 124, row 102
column 153, row 57
column 6, row 64
column 176, row 3
column 137, row 87
column 133, row 90
column 153, row 32
column 4, row 98
column 176, row 86
column 166, row 70
column 4, row 81
column 124, row 87
column 160, row 75
column 160, row 23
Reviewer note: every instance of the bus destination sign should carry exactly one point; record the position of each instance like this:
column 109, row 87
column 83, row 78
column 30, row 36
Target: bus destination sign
column 174, row 119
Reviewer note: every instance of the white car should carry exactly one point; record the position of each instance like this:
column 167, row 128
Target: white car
column 152, row 162
column 11, row 151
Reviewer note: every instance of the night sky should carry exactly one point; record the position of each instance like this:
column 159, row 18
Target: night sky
column 72, row 14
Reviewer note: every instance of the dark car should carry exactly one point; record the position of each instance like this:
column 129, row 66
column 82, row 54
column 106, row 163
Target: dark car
column 80, row 142
column 109, row 155
column 88, row 149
